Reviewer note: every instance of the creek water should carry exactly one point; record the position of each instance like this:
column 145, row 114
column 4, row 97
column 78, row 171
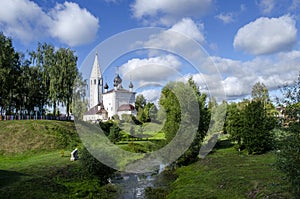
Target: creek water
column 132, row 186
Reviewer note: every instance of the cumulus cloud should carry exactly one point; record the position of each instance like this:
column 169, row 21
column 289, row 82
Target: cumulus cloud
column 23, row 19
column 183, row 38
column 267, row 35
column 190, row 29
column 176, row 36
column 167, row 11
column 73, row 25
column 151, row 70
column 273, row 71
column 26, row 21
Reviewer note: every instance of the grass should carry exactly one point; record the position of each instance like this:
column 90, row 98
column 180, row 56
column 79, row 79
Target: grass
column 35, row 162
column 226, row 173
column 47, row 175
column 35, row 135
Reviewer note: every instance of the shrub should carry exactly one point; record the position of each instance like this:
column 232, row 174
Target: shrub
column 92, row 166
column 288, row 157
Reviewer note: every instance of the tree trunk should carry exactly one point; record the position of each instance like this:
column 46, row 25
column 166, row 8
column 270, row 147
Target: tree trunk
column 54, row 109
column 68, row 109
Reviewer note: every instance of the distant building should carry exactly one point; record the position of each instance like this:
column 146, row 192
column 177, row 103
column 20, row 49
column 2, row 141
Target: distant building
column 105, row 103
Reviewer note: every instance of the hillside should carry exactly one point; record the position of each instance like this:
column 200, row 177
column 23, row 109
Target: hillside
column 35, row 135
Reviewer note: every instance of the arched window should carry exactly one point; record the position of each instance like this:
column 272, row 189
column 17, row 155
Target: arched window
column 95, row 81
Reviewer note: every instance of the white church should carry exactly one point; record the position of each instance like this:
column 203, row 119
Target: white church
column 105, row 103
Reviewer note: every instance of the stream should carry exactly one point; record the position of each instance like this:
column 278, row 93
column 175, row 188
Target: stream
column 132, row 185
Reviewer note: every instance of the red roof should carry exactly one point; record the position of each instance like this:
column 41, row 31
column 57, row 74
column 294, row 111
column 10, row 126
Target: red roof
column 126, row 107
column 98, row 109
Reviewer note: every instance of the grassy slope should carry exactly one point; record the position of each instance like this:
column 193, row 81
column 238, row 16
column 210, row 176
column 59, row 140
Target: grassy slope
column 227, row 174
column 28, row 135
column 35, row 162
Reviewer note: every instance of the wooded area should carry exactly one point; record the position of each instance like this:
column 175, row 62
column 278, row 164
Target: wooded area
column 30, row 81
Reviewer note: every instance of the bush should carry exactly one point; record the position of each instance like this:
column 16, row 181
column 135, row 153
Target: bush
column 288, row 157
column 127, row 118
column 92, row 166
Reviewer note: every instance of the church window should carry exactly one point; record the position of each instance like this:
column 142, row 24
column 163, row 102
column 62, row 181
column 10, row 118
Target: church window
column 91, row 82
column 95, row 81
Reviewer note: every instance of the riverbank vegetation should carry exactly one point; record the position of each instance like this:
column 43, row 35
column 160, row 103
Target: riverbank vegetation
column 256, row 156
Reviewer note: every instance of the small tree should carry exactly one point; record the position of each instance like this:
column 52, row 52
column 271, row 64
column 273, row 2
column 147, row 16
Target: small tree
column 257, row 126
column 114, row 133
column 234, row 124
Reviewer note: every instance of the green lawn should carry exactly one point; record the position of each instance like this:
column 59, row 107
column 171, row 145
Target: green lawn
column 35, row 162
column 47, row 175
column 226, row 173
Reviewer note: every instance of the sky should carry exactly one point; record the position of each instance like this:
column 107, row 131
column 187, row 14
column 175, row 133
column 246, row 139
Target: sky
column 225, row 45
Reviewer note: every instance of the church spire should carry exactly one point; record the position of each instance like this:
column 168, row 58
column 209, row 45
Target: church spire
column 96, row 72
column 96, row 84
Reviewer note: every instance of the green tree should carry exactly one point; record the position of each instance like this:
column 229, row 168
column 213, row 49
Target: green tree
column 140, row 102
column 44, row 59
column 65, row 65
column 234, row 124
column 288, row 157
column 256, row 130
column 114, row 133
column 9, row 74
column 79, row 102
column 260, row 92
column 169, row 101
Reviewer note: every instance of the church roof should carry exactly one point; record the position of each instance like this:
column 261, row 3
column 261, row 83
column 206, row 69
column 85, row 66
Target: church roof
column 96, row 72
column 123, row 90
column 98, row 109
column 126, row 107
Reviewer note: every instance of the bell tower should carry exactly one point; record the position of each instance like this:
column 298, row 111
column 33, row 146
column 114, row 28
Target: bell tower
column 96, row 84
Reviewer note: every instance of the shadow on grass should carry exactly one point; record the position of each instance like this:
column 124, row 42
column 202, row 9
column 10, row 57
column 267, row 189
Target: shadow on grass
column 223, row 144
column 9, row 177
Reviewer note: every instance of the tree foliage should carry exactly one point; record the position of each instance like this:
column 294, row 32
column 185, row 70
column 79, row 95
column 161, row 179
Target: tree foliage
column 260, row 92
column 170, row 103
column 288, row 157
column 92, row 166
column 256, row 128
column 249, row 123
column 46, row 78
column 140, row 102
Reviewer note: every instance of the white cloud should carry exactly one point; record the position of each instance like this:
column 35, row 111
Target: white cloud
column 267, row 35
column 73, row 25
column 151, row 70
column 225, row 17
column 151, row 95
column 190, row 29
column 182, row 38
column 273, row 71
column 23, row 19
column 168, row 11
column 267, row 6
column 26, row 21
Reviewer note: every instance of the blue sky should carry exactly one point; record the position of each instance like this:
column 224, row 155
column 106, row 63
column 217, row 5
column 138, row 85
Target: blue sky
column 245, row 41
